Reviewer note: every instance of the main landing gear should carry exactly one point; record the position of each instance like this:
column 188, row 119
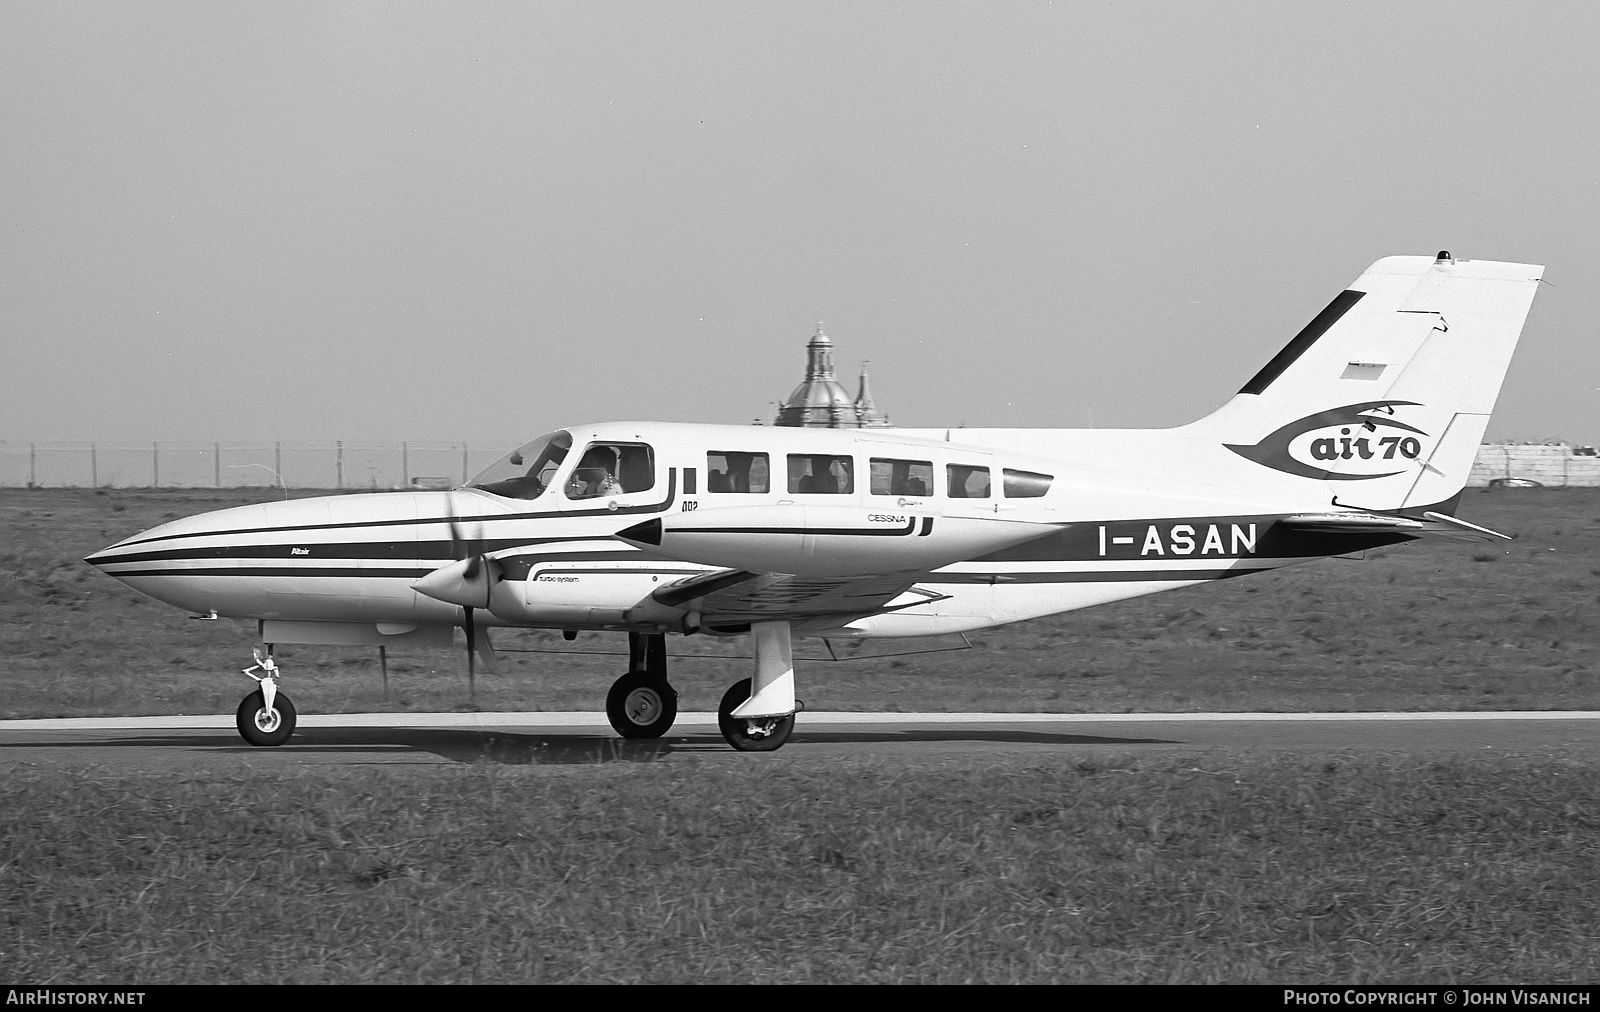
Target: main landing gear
column 642, row 703
column 757, row 714
column 266, row 717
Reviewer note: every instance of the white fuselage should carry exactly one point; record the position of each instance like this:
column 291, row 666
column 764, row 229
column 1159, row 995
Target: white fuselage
column 1126, row 513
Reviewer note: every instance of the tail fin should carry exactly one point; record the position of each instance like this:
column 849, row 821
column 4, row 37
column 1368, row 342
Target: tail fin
column 1390, row 388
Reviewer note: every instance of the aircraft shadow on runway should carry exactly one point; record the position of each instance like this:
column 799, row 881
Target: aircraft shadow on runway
column 512, row 749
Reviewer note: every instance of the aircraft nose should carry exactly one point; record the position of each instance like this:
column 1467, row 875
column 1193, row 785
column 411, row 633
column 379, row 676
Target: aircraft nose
column 112, row 554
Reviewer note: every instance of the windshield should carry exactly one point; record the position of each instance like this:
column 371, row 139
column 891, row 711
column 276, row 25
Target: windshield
column 525, row 472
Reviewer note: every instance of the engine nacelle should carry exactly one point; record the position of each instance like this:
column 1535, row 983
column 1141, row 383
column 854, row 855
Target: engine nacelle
column 827, row 540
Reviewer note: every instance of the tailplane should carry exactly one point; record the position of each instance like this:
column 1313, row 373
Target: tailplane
column 1389, row 389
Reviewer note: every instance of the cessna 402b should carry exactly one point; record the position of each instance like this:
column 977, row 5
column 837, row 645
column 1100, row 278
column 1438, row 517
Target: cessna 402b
column 1359, row 433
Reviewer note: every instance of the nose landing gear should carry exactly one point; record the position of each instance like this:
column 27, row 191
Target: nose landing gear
column 266, row 717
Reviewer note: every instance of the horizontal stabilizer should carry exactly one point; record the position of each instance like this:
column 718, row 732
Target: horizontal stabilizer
column 1438, row 525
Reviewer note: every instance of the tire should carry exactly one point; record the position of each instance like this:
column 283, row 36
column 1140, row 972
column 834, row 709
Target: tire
column 766, row 734
column 639, row 706
column 261, row 728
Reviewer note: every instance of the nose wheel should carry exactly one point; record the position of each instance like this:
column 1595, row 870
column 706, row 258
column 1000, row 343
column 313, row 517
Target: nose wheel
column 266, row 726
column 266, row 717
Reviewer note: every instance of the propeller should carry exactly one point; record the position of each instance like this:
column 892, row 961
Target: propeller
column 470, row 550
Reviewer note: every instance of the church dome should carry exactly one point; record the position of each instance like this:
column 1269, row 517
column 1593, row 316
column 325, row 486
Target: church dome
column 821, row 401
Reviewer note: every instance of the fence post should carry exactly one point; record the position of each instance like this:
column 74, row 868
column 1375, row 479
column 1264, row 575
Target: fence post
column 155, row 464
column 94, row 468
column 277, row 462
column 405, row 465
column 33, row 462
column 338, row 462
column 464, row 475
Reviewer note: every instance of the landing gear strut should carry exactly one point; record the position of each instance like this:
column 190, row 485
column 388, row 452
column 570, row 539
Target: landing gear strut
column 642, row 703
column 266, row 717
column 757, row 714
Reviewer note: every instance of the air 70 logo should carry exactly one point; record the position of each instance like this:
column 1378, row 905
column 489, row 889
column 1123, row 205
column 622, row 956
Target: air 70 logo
column 1352, row 443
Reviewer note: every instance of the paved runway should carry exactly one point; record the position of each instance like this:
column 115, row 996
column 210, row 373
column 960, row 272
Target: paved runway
column 210, row 742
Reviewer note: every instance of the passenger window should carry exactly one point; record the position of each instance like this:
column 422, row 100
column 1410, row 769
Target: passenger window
column 901, row 477
column 607, row 469
column 966, row 481
column 1026, row 484
column 736, row 471
column 820, row 474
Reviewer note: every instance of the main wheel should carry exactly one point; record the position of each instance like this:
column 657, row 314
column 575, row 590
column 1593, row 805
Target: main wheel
column 758, row 734
column 640, row 706
column 263, row 727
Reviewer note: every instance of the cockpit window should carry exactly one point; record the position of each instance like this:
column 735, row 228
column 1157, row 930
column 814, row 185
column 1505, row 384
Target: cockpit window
column 612, row 469
column 525, row 472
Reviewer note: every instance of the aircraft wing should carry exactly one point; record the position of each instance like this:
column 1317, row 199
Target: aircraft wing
column 1438, row 525
column 734, row 597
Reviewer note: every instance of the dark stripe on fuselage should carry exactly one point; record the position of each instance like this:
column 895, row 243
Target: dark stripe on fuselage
column 1240, row 538
column 866, row 532
column 1257, row 537
column 407, row 550
column 330, row 572
column 660, row 507
column 514, row 567
column 346, row 572
column 1095, row 576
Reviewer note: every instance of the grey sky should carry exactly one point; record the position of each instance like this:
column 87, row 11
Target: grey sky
column 482, row 221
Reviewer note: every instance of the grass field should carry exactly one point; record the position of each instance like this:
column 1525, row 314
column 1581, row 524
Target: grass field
column 1436, row 626
column 1247, row 868
column 1117, row 867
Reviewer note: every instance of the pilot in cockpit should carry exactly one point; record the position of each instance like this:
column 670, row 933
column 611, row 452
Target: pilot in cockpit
column 595, row 475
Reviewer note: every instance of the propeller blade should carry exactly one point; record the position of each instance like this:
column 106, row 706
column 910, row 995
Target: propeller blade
column 455, row 529
column 461, row 546
column 472, row 651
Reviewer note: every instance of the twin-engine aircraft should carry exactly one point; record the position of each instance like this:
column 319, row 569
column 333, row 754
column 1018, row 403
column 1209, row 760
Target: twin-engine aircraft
column 1359, row 433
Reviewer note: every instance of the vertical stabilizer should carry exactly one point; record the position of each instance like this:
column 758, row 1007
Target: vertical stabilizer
column 1385, row 395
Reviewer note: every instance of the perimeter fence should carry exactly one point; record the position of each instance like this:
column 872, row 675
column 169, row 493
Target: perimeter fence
column 341, row 465
column 325, row 465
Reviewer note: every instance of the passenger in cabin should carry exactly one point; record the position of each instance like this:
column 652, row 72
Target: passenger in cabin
column 820, row 474
column 635, row 468
column 967, row 481
column 736, row 471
